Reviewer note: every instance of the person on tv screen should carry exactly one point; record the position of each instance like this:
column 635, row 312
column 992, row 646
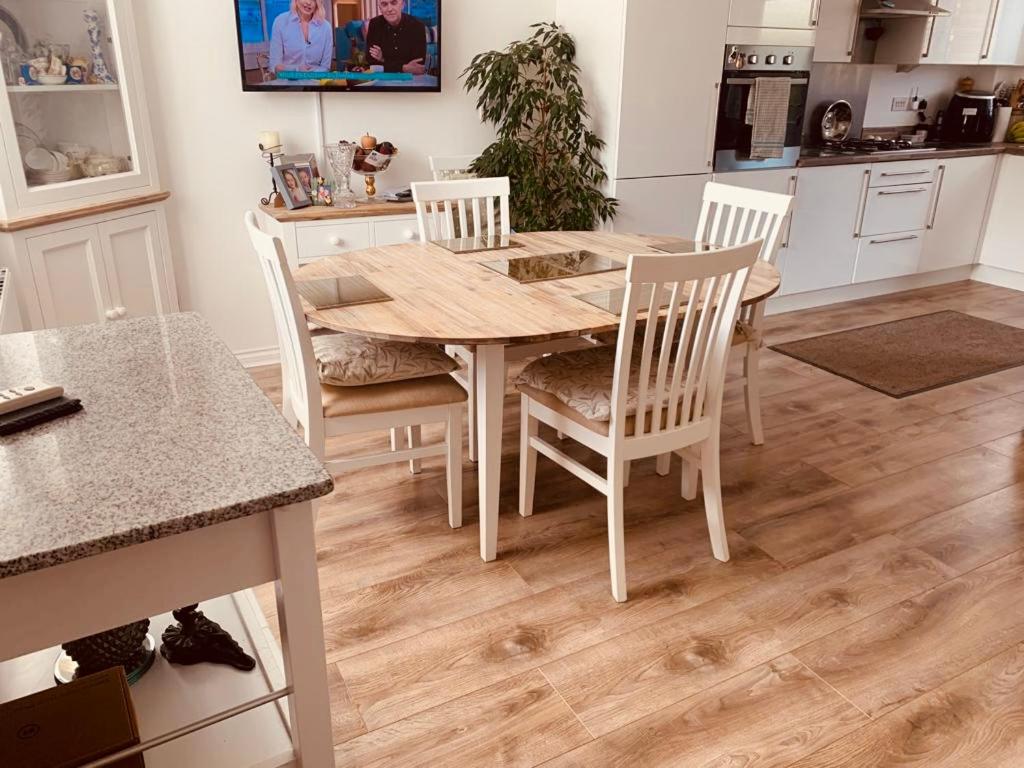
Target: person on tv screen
column 396, row 39
column 302, row 40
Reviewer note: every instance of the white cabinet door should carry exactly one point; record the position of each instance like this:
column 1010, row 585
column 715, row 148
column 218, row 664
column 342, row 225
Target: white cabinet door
column 70, row 277
column 781, row 180
column 661, row 206
column 836, row 37
column 672, row 67
column 823, row 240
column 958, row 212
column 969, row 31
column 1001, row 247
column 786, row 14
column 1005, row 44
column 135, row 265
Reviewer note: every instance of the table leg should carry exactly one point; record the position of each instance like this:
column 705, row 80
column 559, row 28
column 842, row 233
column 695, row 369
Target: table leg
column 490, row 402
column 302, row 635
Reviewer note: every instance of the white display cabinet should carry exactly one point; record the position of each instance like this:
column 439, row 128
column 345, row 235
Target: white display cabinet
column 78, row 163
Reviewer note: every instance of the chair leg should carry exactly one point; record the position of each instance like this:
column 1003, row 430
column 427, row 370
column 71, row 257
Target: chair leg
column 664, row 464
column 453, row 438
column 528, row 427
column 626, row 472
column 288, row 411
column 689, row 484
column 413, row 435
column 752, row 390
column 616, row 529
column 396, row 439
column 713, row 497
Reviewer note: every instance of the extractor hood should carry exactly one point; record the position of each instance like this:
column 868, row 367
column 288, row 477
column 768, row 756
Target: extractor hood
column 900, row 9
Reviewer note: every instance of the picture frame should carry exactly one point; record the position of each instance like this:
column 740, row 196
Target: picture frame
column 289, row 185
column 304, row 158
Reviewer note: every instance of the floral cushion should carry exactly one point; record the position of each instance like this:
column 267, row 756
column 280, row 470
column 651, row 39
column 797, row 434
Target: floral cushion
column 583, row 380
column 347, row 360
column 745, row 333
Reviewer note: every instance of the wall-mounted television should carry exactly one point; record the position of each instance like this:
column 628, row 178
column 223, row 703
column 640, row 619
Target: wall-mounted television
column 339, row 45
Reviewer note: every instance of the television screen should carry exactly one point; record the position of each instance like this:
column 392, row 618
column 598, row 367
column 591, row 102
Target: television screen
column 340, row 45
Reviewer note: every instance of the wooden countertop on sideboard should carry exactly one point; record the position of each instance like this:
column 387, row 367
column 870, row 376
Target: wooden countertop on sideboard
column 81, row 212
column 327, row 213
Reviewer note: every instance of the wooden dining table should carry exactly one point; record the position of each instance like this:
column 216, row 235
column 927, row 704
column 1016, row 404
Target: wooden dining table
column 450, row 299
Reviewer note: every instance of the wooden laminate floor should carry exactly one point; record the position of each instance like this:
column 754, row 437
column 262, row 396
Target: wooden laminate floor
column 872, row 613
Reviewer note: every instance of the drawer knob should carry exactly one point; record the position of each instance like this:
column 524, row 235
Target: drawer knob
column 409, row 234
column 335, row 241
column 111, row 314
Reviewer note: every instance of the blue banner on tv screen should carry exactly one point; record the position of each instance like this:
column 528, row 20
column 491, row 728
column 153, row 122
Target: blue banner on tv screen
column 344, row 76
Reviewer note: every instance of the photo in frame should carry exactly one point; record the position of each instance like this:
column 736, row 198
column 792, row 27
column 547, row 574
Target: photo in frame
column 290, row 185
column 308, row 167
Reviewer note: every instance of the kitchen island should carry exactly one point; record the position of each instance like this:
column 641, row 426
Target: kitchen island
column 178, row 483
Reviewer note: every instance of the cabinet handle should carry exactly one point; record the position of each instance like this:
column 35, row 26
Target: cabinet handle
column 893, row 240
column 853, row 32
column 931, row 36
column 709, row 144
column 793, row 181
column 815, row 12
column 902, row 191
column 938, row 194
column 335, row 241
column 111, row 314
column 889, row 174
column 862, row 210
column 991, row 30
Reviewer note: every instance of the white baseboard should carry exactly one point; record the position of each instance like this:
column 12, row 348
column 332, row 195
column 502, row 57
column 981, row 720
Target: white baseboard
column 254, row 358
column 797, row 301
column 1006, row 278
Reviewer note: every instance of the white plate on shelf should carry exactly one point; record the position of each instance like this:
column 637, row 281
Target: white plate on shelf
column 62, row 160
column 40, row 159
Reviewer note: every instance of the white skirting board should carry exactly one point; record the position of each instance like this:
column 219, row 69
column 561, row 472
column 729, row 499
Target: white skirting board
column 1007, row 278
column 260, row 356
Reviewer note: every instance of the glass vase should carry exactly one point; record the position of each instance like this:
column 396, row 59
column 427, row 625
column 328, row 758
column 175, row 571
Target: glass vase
column 340, row 158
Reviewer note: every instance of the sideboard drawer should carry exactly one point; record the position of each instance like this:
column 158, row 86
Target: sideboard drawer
column 395, row 232
column 316, row 241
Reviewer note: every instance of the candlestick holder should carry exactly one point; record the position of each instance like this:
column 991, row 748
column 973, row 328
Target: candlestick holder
column 271, row 155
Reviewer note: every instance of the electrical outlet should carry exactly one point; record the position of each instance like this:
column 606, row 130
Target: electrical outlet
column 899, row 104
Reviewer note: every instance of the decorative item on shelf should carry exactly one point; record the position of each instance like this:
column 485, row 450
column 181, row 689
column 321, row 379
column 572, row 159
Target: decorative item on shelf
column 287, row 178
column 13, row 46
column 340, row 157
column 324, row 192
column 100, row 73
column 196, row 639
column 30, row 71
column 270, row 147
column 78, row 71
column 130, row 646
column 102, row 165
column 308, row 169
column 371, row 159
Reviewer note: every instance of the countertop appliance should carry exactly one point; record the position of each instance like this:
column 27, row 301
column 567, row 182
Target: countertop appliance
column 970, row 117
column 744, row 64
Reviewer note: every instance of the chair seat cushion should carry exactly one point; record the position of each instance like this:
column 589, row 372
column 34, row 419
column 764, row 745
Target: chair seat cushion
column 583, row 381
column 745, row 333
column 392, row 396
column 347, row 360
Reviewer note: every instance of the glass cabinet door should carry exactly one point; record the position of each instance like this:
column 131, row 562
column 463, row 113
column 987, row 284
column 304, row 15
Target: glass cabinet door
column 70, row 81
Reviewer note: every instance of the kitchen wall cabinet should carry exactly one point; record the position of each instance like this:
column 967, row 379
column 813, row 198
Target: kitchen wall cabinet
column 823, row 240
column 781, row 14
column 961, row 196
column 836, row 38
column 1006, row 38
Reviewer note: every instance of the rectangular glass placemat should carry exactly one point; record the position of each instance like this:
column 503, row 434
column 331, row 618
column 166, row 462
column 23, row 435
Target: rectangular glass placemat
column 338, row 292
column 612, row 300
column 478, row 244
column 683, row 246
column 554, row 266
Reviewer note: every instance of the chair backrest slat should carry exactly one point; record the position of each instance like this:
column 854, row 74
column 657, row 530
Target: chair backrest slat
column 479, row 194
column 686, row 385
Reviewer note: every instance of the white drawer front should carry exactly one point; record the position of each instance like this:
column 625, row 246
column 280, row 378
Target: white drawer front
column 396, row 232
column 888, row 256
column 317, row 241
column 905, row 172
column 897, row 209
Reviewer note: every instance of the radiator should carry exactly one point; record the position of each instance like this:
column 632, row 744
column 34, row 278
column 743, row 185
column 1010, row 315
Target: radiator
column 10, row 318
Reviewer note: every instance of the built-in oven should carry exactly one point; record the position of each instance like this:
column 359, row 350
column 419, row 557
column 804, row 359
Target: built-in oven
column 744, row 65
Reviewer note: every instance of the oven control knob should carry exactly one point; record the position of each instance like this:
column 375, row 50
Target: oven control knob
column 788, row 60
column 752, row 58
column 771, row 58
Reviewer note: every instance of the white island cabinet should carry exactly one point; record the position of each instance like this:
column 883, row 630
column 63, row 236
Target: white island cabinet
column 82, row 223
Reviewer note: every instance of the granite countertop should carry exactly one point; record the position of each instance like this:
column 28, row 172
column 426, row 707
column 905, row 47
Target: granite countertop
column 812, row 157
column 175, row 436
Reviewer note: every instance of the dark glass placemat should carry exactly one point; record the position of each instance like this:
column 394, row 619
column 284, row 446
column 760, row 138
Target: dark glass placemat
column 554, row 266
column 613, row 299
column 338, row 292
column 683, row 246
column 478, row 244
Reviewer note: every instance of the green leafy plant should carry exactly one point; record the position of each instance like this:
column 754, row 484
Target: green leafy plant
column 531, row 93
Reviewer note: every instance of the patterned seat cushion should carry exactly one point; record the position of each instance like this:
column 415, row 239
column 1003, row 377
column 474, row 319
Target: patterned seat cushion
column 745, row 333
column 347, row 360
column 583, row 381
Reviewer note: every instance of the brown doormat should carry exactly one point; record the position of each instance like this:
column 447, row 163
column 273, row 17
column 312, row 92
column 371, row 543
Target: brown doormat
column 908, row 356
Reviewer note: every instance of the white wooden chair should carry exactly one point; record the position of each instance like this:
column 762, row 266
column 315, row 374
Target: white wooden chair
column 447, row 167
column 327, row 411
column 633, row 401
column 729, row 216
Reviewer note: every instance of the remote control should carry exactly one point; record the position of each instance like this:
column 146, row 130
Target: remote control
column 15, row 398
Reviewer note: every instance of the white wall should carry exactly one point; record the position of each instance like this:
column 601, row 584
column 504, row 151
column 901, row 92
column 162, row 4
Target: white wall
column 205, row 133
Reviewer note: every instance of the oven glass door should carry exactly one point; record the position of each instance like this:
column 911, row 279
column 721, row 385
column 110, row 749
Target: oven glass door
column 733, row 135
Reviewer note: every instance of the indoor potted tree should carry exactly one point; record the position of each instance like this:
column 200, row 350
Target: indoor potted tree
column 531, row 93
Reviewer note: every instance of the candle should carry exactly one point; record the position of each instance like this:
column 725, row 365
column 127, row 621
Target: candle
column 270, row 139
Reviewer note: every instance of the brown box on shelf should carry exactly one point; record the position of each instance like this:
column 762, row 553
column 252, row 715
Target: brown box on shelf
column 71, row 725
